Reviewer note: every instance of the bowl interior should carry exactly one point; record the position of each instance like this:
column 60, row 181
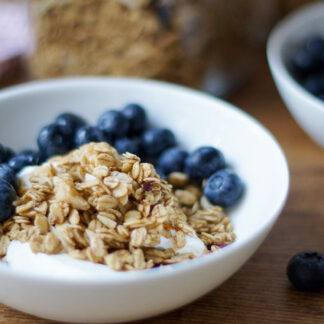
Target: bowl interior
column 196, row 120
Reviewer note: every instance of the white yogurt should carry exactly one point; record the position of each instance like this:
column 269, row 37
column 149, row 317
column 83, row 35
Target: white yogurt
column 20, row 256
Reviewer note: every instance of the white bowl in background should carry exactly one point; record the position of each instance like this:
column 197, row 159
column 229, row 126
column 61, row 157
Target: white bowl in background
column 307, row 109
column 197, row 119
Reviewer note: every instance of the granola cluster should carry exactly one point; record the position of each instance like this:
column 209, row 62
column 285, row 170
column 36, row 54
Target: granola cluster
column 97, row 205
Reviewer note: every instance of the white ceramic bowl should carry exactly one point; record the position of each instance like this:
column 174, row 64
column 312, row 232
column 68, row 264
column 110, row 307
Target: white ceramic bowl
column 307, row 109
column 196, row 119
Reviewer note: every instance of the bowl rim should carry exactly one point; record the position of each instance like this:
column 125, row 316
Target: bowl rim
column 182, row 267
column 277, row 39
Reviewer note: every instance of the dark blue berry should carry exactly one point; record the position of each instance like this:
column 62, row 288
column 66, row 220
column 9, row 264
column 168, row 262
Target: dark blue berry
column 87, row 134
column 5, row 154
column 131, row 145
column 306, row 271
column 203, row 162
column 52, row 141
column 172, row 160
column 155, row 141
column 314, row 84
column 315, row 46
column 160, row 173
column 8, row 174
column 321, row 96
column 137, row 119
column 23, row 159
column 223, row 188
column 303, row 63
column 114, row 124
column 9, row 153
column 70, row 123
column 7, row 197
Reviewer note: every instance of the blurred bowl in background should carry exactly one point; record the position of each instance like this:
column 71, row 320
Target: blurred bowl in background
column 307, row 109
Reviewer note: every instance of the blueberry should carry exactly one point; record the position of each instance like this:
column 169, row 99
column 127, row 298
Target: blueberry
column 160, row 173
column 303, row 62
column 87, row 134
column 131, row 145
column 7, row 197
column 321, row 96
column 9, row 153
column 306, row 271
column 172, row 160
column 25, row 158
column 223, row 188
column 70, row 123
column 52, row 141
column 155, row 141
column 5, row 154
column 315, row 46
column 204, row 161
column 114, row 124
column 314, row 84
column 8, row 174
column 136, row 116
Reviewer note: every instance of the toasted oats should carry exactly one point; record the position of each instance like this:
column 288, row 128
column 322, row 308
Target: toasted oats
column 186, row 197
column 4, row 243
column 41, row 222
column 178, row 179
column 118, row 217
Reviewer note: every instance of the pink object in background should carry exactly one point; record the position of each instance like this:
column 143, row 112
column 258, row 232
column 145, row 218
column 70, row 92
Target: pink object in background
column 16, row 40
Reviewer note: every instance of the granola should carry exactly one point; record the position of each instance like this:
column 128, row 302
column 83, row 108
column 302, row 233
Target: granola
column 94, row 204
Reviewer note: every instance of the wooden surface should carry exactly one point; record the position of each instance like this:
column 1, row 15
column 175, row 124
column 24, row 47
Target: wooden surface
column 260, row 291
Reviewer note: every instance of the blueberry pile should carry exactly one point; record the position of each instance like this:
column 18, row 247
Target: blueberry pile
column 128, row 131
column 307, row 65
column 306, row 271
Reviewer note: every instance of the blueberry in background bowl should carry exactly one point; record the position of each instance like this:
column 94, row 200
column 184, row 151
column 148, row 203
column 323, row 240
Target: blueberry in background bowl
column 291, row 71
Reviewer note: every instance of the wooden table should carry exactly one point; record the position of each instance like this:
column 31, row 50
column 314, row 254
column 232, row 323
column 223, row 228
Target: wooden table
column 260, row 291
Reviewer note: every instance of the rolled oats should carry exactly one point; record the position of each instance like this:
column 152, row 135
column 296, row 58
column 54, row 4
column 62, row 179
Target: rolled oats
column 112, row 209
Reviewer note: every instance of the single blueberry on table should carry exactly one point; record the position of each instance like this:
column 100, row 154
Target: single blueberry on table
column 155, row 141
column 8, row 174
column 136, row 116
column 87, row 134
column 202, row 162
column 52, row 141
column 23, row 159
column 131, row 145
column 114, row 124
column 306, row 271
column 70, row 123
column 223, row 188
column 172, row 160
column 7, row 197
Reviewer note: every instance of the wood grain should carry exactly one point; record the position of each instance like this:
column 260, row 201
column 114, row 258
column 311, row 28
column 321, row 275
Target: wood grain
column 260, row 291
